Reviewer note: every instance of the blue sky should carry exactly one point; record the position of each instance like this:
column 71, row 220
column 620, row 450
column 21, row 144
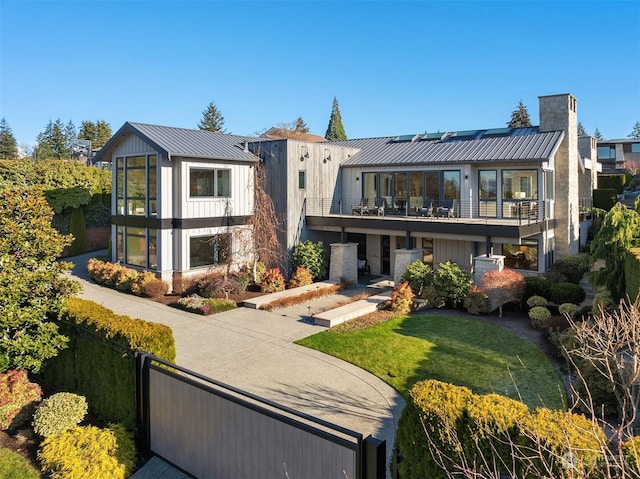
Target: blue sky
column 395, row 67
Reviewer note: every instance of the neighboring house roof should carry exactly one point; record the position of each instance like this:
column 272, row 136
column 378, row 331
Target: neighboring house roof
column 500, row 144
column 276, row 133
column 170, row 141
column 621, row 140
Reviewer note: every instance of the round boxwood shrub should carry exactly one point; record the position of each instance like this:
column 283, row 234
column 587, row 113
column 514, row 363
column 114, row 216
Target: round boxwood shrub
column 566, row 293
column 536, row 286
column 538, row 315
column 568, row 308
column 58, row 413
column 572, row 267
column 534, row 301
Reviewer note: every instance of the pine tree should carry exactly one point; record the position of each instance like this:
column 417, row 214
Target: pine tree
column 97, row 133
column 520, row 117
column 635, row 133
column 8, row 143
column 335, row 130
column 597, row 135
column 300, row 126
column 581, row 130
column 54, row 143
column 212, row 119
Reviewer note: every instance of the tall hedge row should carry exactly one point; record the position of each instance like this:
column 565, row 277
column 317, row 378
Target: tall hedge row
column 632, row 273
column 604, row 198
column 460, row 424
column 99, row 362
column 615, row 182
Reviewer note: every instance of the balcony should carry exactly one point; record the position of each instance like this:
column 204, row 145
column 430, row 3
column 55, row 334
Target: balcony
column 510, row 218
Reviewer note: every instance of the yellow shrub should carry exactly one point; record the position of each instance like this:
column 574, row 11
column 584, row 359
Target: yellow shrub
column 90, row 451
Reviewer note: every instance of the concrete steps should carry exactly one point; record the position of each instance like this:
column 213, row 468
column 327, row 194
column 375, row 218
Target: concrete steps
column 349, row 311
column 260, row 301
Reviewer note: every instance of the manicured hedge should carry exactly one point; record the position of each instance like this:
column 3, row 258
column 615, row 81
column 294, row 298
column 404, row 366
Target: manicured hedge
column 604, row 198
column 99, row 361
column 614, row 182
column 632, row 273
column 490, row 426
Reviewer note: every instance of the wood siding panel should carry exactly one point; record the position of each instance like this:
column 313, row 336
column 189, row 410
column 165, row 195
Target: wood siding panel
column 457, row 251
column 133, row 145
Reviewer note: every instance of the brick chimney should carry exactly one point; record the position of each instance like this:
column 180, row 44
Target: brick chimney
column 559, row 112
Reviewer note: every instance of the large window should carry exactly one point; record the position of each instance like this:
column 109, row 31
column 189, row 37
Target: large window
column 606, row 153
column 523, row 256
column 137, row 246
column 208, row 182
column 136, row 188
column 209, row 250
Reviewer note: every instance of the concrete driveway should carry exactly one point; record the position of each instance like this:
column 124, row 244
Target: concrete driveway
column 253, row 350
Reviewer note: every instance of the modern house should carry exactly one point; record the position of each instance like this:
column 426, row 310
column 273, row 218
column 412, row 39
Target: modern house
column 181, row 198
column 459, row 196
column 618, row 155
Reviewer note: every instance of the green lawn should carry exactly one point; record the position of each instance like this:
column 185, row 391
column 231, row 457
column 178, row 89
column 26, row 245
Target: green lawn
column 461, row 351
column 14, row 466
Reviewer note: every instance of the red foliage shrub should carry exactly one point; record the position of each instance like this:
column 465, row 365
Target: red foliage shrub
column 18, row 397
column 502, row 287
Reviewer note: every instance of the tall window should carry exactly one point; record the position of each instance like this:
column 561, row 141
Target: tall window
column 451, row 184
column 136, row 190
column 370, row 189
column 302, row 179
column 209, row 182
column 137, row 246
column 209, row 250
column 519, row 184
column 488, row 193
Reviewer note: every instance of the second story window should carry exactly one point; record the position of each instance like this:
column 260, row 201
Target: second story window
column 208, row 182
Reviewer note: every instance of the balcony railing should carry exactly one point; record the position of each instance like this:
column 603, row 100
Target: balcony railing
column 487, row 211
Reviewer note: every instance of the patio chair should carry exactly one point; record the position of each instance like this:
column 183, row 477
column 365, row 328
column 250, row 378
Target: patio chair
column 426, row 209
column 379, row 206
column 363, row 266
column 361, row 208
column 447, row 208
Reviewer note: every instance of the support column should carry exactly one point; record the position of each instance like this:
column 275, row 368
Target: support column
column 482, row 264
column 344, row 262
column 404, row 257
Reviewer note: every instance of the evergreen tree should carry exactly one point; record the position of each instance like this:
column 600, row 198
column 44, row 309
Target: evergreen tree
column 581, row 130
column 97, row 133
column 300, row 126
column 335, row 130
column 520, row 117
column 619, row 231
column 597, row 135
column 212, row 119
column 8, row 143
column 635, row 133
column 53, row 142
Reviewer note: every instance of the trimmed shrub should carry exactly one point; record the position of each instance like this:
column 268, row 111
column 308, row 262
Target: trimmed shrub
column 59, row 413
column 311, row 256
column 437, row 409
column 571, row 268
column 476, row 301
column 632, row 273
column 402, row 299
column 18, row 398
column 98, row 362
column 89, row 452
column 566, row 293
column 631, row 451
column 603, row 301
column 301, row 277
column 604, row 198
column 273, row 281
column 568, row 309
column 142, row 281
column 614, row 182
column 419, row 276
column 125, row 277
column 538, row 316
column 218, row 285
column 534, row 301
column 198, row 304
column 536, row 286
column 155, row 288
column 78, row 229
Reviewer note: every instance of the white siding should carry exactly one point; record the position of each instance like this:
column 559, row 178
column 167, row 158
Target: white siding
column 459, row 252
column 239, row 204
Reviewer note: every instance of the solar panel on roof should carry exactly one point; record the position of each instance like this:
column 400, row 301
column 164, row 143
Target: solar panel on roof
column 497, row 132
column 432, row 136
column 403, row 138
column 458, row 135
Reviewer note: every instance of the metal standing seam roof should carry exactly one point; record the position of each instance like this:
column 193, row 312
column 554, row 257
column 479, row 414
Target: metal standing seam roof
column 523, row 145
column 172, row 141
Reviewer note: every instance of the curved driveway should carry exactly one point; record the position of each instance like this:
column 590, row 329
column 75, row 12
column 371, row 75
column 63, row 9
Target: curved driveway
column 253, row 350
